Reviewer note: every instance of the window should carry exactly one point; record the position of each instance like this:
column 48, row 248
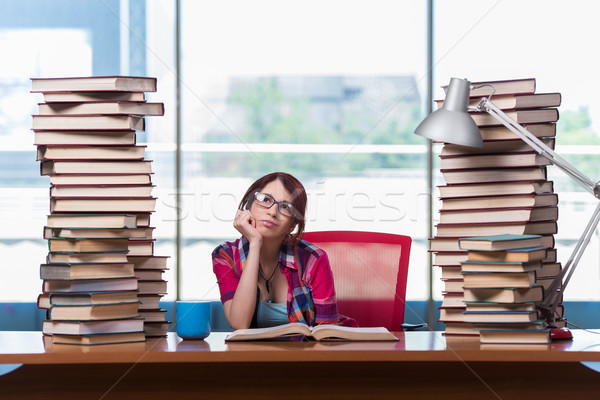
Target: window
column 328, row 91
column 72, row 38
column 490, row 40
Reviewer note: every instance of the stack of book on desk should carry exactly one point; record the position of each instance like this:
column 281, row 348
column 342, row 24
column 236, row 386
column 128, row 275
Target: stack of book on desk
column 499, row 188
column 101, row 281
column 500, row 289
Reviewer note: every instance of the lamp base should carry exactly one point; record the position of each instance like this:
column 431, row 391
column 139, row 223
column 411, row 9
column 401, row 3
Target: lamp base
column 560, row 334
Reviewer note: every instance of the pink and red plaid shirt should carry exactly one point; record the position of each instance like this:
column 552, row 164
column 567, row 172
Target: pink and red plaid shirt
column 311, row 292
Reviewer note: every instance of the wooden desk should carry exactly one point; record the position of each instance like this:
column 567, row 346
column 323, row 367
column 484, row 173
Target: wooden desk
column 420, row 365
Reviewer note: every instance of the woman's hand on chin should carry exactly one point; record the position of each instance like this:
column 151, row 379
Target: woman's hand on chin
column 245, row 223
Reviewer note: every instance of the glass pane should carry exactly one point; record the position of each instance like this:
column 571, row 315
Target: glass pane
column 488, row 40
column 72, row 38
column 331, row 96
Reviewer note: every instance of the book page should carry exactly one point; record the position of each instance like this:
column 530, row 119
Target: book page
column 291, row 329
column 335, row 332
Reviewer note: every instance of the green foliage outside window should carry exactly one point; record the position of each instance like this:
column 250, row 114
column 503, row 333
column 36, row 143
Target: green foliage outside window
column 270, row 116
column 575, row 128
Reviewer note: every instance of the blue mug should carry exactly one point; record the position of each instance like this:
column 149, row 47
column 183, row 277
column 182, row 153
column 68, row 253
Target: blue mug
column 193, row 319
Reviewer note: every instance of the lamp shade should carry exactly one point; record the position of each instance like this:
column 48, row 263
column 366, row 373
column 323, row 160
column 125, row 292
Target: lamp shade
column 452, row 123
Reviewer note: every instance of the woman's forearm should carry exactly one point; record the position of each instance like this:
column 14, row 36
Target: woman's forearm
column 240, row 309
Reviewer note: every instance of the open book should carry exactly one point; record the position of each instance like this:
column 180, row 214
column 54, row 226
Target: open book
column 320, row 332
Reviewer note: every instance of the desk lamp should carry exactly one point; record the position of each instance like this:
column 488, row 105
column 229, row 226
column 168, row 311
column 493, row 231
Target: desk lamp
column 453, row 124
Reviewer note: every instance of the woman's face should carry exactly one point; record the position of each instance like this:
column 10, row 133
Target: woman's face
column 269, row 221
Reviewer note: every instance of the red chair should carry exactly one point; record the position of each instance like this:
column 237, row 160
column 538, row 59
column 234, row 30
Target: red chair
column 370, row 271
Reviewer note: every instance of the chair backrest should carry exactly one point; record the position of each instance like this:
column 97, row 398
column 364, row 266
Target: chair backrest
column 370, row 271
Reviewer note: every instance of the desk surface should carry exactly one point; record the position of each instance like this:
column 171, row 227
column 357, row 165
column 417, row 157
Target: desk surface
column 29, row 348
column 424, row 365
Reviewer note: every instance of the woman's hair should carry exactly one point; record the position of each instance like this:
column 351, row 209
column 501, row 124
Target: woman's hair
column 292, row 185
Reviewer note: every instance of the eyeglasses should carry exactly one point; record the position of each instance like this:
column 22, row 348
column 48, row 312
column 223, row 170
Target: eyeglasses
column 266, row 201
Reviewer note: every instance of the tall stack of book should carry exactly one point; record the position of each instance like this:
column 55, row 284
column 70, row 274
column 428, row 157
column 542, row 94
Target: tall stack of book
column 101, row 280
column 500, row 288
column 500, row 188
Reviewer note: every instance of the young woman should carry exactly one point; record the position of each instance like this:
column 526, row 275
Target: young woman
column 270, row 276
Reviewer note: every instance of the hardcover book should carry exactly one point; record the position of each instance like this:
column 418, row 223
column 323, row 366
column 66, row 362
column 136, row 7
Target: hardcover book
column 502, row 87
column 94, row 84
column 449, row 258
column 102, row 107
column 320, row 333
column 105, row 221
column 500, row 316
column 492, row 202
column 503, row 133
column 127, row 167
column 99, row 153
column 527, row 254
column 152, row 287
column 84, row 138
column 451, row 314
column 513, row 228
column 101, row 179
column 89, row 122
column 157, row 315
column 86, row 271
column 499, row 215
column 94, row 233
column 149, row 301
column 460, row 328
column 522, row 174
column 500, row 242
column 512, row 160
column 94, row 312
column 89, row 285
column 50, row 327
column 504, row 295
column 519, row 101
column 453, row 285
column 94, row 205
column 479, row 280
column 62, row 97
column 549, row 269
column 451, row 272
column 500, row 266
column 149, row 274
column 480, row 189
column 453, row 300
column 149, row 262
column 449, row 244
column 533, row 116
column 529, row 336
column 89, row 257
column 529, row 325
column 83, row 191
column 156, row 328
column 85, row 299
column 103, row 338
column 87, row 245
column 498, row 307
column 492, row 147
column 141, row 248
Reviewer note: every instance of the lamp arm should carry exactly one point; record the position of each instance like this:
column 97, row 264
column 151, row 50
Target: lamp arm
column 553, row 295
column 539, row 146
